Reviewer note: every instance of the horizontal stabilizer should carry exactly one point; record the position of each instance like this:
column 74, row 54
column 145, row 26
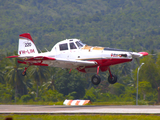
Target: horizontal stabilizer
column 39, row 64
column 12, row 56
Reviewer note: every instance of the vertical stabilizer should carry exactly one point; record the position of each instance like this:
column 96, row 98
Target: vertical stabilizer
column 26, row 45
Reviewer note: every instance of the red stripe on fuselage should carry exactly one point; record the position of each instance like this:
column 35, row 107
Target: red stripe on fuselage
column 105, row 63
column 112, row 61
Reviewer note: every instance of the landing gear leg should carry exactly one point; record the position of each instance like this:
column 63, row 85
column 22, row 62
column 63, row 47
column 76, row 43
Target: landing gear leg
column 96, row 78
column 24, row 72
column 112, row 78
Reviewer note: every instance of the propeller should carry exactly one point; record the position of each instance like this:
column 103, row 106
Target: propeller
column 138, row 61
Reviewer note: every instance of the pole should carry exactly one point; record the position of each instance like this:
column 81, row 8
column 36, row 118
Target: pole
column 137, row 83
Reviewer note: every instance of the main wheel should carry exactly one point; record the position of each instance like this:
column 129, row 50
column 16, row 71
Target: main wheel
column 96, row 79
column 113, row 79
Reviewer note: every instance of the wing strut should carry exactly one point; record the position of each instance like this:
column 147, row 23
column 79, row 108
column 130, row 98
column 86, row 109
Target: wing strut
column 70, row 70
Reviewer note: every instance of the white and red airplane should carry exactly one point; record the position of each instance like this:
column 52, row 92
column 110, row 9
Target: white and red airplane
column 73, row 54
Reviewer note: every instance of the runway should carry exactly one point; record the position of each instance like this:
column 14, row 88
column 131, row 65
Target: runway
column 89, row 109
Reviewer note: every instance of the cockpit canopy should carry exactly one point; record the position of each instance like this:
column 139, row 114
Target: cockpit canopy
column 68, row 44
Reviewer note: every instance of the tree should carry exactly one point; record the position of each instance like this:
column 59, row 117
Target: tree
column 14, row 77
column 38, row 75
column 144, row 88
column 2, row 67
column 117, row 89
column 6, row 94
column 51, row 75
column 158, row 77
column 66, row 83
column 92, row 94
column 149, row 76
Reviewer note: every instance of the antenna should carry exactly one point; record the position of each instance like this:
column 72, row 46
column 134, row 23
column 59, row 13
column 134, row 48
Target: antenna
column 39, row 50
column 46, row 50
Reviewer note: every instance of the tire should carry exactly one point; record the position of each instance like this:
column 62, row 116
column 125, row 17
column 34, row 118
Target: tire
column 23, row 73
column 96, row 79
column 112, row 80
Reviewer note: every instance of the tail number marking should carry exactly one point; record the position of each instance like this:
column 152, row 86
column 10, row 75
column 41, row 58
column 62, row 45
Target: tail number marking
column 27, row 51
column 28, row 44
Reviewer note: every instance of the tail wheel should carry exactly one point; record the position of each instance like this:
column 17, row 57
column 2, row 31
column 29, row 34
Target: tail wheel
column 113, row 79
column 24, row 73
column 96, row 79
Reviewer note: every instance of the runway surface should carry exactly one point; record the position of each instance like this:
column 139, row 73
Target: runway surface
column 61, row 109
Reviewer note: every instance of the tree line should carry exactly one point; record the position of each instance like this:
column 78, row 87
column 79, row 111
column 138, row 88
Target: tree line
column 131, row 25
column 47, row 84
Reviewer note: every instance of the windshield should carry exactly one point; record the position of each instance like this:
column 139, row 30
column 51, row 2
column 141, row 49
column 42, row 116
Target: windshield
column 80, row 44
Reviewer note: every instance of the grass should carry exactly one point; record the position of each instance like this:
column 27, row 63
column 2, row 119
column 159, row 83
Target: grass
column 112, row 103
column 61, row 103
column 33, row 103
column 93, row 103
column 81, row 117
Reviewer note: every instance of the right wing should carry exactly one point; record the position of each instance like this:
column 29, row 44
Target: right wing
column 64, row 63
column 54, row 62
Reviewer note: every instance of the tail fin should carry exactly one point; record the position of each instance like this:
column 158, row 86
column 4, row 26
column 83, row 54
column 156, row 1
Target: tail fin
column 26, row 45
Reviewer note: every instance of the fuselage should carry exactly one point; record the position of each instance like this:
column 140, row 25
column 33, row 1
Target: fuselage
column 74, row 49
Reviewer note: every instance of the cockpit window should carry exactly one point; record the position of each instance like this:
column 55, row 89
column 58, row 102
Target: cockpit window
column 63, row 46
column 80, row 44
column 72, row 46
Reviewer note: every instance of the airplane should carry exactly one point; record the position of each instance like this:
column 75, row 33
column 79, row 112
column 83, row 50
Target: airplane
column 74, row 54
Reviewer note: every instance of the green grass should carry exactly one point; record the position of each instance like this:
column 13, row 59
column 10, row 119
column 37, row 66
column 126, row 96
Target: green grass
column 93, row 103
column 112, row 103
column 61, row 103
column 81, row 117
column 33, row 103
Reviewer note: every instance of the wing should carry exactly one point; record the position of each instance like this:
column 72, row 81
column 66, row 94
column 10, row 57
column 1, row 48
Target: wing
column 55, row 62
column 64, row 63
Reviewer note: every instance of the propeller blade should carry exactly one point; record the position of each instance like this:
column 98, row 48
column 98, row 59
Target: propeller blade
column 138, row 61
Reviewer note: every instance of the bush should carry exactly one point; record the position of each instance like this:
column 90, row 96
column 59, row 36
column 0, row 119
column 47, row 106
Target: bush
column 52, row 96
column 25, row 98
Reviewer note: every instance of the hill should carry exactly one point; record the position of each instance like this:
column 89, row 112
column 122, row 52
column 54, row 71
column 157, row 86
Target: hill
column 125, row 24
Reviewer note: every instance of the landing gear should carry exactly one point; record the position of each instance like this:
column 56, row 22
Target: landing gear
column 96, row 79
column 112, row 79
column 24, row 72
